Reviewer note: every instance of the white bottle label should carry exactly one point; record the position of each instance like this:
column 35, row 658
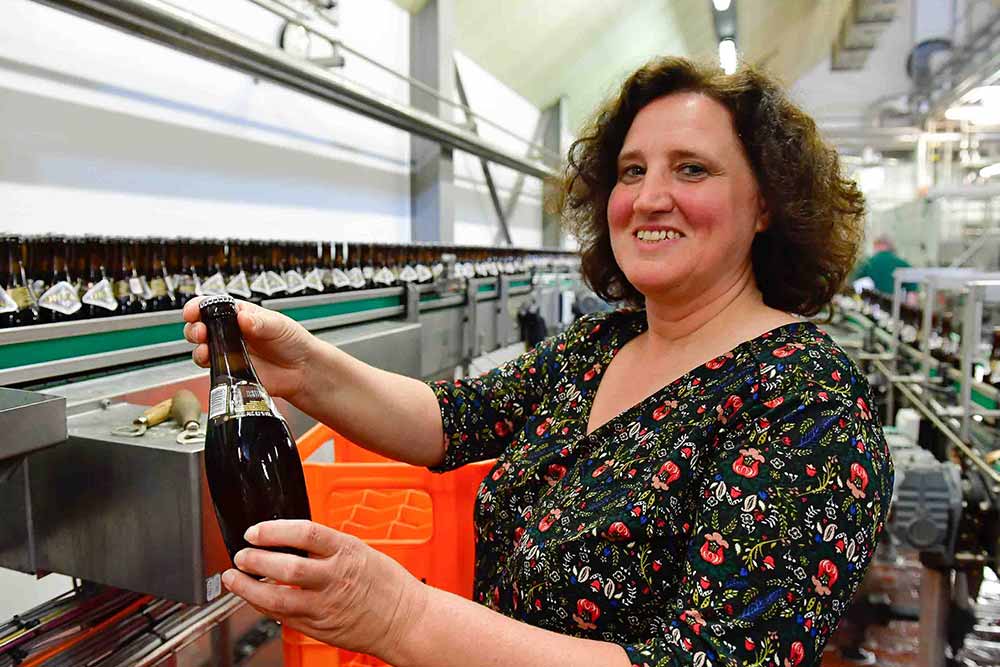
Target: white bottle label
column 340, row 279
column 7, row 304
column 314, row 280
column 357, row 277
column 62, row 298
column 423, row 274
column 216, row 284
column 368, row 272
column 238, row 285
column 437, row 269
column 383, row 277
column 294, row 281
column 408, row 274
column 269, row 283
column 101, row 295
column 135, row 287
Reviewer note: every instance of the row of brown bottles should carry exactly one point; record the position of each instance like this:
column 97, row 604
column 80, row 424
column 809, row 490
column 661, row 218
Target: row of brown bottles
column 46, row 279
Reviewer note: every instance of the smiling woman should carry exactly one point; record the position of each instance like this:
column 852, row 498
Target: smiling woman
column 743, row 127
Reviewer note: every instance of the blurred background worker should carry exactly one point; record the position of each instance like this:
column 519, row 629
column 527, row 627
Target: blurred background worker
column 880, row 265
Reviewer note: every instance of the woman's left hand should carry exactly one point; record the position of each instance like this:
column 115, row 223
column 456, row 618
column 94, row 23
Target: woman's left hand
column 346, row 593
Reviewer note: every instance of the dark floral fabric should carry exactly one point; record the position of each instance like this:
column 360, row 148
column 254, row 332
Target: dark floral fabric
column 727, row 519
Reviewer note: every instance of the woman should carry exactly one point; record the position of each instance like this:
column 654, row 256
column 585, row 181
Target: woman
column 697, row 480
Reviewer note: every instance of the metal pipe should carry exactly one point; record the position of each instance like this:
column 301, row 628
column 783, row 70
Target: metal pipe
column 185, row 31
column 946, row 430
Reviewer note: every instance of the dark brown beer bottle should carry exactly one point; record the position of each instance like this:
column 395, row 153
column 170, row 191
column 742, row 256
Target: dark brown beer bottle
column 251, row 461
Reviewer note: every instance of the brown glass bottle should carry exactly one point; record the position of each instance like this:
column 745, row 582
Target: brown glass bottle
column 251, row 461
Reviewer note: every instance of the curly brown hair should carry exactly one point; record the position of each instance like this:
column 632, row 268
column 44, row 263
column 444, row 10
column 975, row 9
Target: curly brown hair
column 816, row 214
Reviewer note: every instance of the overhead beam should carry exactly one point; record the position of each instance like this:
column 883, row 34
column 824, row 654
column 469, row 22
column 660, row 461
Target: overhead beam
column 555, row 122
column 161, row 22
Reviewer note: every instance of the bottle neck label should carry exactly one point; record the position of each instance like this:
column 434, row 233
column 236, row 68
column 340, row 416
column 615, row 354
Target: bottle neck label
column 101, row 295
column 268, row 283
column 424, row 274
column 408, row 274
column 238, row 285
column 294, row 281
column 340, row 279
column 314, row 280
column 61, row 298
column 357, row 277
column 383, row 277
column 215, row 284
column 240, row 399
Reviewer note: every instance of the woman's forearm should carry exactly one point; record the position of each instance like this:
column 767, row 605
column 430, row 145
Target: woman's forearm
column 450, row 631
column 387, row 413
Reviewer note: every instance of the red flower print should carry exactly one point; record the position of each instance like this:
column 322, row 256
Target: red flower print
column 788, row 350
column 768, row 562
column 795, row 655
column 693, row 618
column 858, row 481
column 735, row 492
column 663, row 410
column 727, row 410
column 594, row 370
column 748, row 463
column 668, row 474
column 865, row 412
column 657, row 565
column 826, row 577
column 502, row 428
column 549, row 519
column 686, row 452
column 586, row 614
column 518, row 534
column 749, row 644
column 597, row 327
column 823, row 396
column 712, row 551
column 554, row 473
column 774, row 402
column 836, row 376
column 543, row 427
column 718, row 362
column 617, row 532
column 704, row 583
column 601, row 468
column 810, row 470
column 499, row 471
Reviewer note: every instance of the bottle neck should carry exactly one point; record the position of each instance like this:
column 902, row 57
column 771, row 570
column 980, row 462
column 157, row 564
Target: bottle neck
column 227, row 352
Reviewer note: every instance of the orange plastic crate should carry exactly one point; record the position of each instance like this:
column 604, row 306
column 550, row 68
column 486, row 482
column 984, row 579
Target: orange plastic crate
column 421, row 519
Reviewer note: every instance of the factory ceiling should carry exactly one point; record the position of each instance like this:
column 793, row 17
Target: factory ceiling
column 581, row 49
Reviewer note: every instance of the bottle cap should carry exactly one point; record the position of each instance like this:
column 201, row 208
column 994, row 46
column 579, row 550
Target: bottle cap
column 216, row 300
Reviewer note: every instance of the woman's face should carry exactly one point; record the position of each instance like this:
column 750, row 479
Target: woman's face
column 685, row 207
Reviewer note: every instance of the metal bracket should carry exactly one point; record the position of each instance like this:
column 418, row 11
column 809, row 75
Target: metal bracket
column 412, row 302
column 470, row 333
column 503, row 311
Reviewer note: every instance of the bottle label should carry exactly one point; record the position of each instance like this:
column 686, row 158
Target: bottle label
column 216, row 284
column 408, row 274
column 327, row 278
column 20, row 296
column 423, row 274
column 158, row 288
column 314, row 280
column 135, row 286
column 368, row 272
column 238, row 285
column 340, row 279
column 121, row 289
column 357, row 277
column 185, row 285
column 243, row 399
column 62, row 298
column 7, row 303
column 296, row 283
column 268, row 283
column 383, row 277
column 437, row 270
column 101, row 295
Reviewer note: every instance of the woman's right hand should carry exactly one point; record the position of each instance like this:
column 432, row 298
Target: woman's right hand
column 280, row 348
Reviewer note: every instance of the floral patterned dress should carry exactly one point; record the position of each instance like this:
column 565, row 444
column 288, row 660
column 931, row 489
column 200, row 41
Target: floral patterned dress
column 726, row 519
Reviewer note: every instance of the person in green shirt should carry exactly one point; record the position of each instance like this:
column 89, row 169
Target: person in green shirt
column 880, row 265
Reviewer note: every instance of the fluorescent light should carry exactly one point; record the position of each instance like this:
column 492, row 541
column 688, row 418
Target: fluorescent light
column 992, row 170
column 721, row 5
column 727, row 55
